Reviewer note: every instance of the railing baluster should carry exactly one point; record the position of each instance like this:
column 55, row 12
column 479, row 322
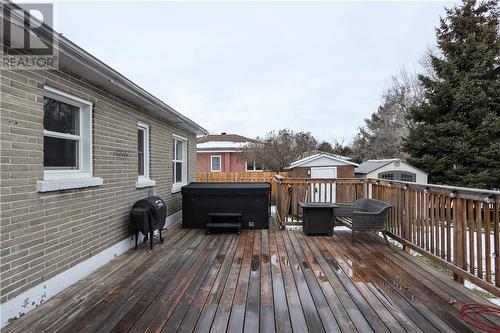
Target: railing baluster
column 479, row 242
column 436, row 222
column 442, row 218
column 496, row 218
column 449, row 240
column 471, row 232
column 420, row 220
column 487, row 241
column 432, row 222
column 425, row 219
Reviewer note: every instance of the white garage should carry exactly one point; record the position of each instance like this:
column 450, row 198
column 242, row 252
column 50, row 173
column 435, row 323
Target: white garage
column 391, row 169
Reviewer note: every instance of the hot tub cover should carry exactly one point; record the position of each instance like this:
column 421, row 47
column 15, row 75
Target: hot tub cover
column 252, row 200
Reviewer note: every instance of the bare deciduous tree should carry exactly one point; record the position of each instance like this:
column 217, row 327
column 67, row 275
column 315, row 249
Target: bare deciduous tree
column 426, row 63
column 405, row 91
column 383, row 133
column 278, row 149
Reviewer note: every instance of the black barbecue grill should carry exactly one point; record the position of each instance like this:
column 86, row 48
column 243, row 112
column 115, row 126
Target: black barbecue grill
column 146, row 216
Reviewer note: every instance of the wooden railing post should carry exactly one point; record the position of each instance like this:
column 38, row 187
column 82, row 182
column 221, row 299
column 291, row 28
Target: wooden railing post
column 365, row 188
column 459, row 259
column 405, row 228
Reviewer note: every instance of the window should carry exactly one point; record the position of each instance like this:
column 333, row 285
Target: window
column 408, row 177
column 141, row 150
column 386, row 175
column 67, row 142
column 398, row 175
column 143, row 157
column 252, row 166
column 215, row 163
column 67, row 149
column 179, row 162
column 61, row 123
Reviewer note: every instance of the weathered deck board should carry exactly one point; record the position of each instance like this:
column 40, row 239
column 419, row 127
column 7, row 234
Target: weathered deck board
column 260, row 281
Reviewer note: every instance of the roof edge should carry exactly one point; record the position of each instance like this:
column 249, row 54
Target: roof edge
column 76, row 52
column 318, row 155
column 92, row 63
column 388, row 162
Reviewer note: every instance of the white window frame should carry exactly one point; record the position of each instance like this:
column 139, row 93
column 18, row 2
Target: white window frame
column 176, row 186
column 60, row 179
column 246, row 168
column 145, row 180
column 334, row 169
column 84, row 138
column 212, row 163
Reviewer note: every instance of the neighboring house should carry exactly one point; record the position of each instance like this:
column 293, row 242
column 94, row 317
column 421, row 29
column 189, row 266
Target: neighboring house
column 322, row 165
column 79, row 146
column 223, row 153
column 391, row 169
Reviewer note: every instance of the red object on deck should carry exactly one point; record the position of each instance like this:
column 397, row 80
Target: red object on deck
column 476, row 314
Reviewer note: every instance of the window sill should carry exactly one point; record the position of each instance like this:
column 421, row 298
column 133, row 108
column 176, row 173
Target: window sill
column 176, row 188
column 66, row 184
column 142, row 183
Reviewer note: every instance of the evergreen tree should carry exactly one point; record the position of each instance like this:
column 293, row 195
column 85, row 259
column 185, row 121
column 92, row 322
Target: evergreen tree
column 455, row 132
column 337, row 148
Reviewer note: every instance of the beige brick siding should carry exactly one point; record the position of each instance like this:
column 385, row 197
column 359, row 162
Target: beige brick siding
column 43, row 234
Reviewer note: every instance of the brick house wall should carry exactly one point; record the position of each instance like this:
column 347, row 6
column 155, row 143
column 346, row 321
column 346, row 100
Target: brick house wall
column 237, row 162
column 230, row 161
column 44, row 234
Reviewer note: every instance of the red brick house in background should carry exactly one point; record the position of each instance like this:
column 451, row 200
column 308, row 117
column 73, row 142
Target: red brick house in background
column 223, row 153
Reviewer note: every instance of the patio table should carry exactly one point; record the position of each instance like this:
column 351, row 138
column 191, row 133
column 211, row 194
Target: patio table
column 318, row 217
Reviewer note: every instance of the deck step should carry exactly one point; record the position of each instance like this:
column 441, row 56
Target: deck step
column 225, row 214
column 224, row 225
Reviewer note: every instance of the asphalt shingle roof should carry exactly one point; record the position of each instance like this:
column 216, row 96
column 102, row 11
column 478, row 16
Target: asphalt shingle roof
column 224, row 137
column 372, row 165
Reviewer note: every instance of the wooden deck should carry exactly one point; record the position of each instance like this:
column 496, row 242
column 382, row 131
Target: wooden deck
column 263, row 280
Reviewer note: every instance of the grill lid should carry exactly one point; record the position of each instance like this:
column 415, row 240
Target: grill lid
column 150, row 202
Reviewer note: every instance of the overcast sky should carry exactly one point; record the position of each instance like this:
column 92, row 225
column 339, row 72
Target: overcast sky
column 249, row 68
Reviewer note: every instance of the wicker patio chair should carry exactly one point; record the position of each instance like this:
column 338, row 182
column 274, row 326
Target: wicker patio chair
column 364, row 215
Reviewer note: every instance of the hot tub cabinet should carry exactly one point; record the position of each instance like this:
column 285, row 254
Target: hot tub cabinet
column 248, row 203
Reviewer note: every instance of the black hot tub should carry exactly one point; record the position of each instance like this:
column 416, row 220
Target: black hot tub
column 249, row 201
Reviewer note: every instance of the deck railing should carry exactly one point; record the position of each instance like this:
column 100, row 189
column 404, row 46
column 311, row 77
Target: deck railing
column 457, row 227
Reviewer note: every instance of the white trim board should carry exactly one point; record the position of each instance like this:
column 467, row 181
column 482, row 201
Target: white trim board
column 308, row 161
column 212, row 163
column 31, row 298
column 218, row 151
